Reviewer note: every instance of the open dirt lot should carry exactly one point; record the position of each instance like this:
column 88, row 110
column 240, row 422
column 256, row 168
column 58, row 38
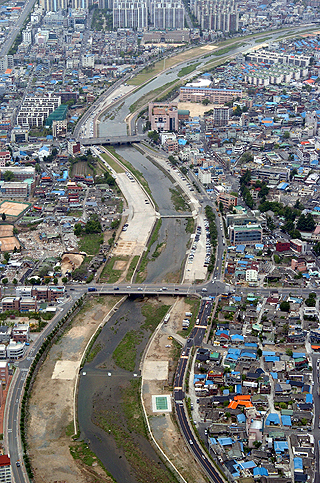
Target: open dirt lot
column 71, row 261
column 51, row 404
column 8, row 243
column 11, row 208
column 6, row 230
column 194, row 108
column 164, row 427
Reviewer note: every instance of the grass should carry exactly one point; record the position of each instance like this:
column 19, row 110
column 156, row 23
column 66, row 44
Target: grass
column 94, row 351
column 81, row 451
column 153, row 315
column 75, row 213
column 70, row 429
column 132, row 267
column 187, row 70
column 190, row 225
column 142, row 101
column 109, row 274
column 114, row 165
column 125, row 353
column 262, row 40
column 178, row 201
column 145, row 259
column 90, row 243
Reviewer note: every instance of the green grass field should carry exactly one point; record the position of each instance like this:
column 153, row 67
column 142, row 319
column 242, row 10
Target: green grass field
column 114, row 165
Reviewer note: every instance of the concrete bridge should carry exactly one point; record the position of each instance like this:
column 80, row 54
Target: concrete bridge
column 112, row 140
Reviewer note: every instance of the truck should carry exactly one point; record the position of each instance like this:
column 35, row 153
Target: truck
column 166, row 319
column 92, row 289
column 188, row 314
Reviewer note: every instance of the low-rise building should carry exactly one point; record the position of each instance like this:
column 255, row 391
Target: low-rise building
column 20, row 332
column 15, row 350
column 227, row 200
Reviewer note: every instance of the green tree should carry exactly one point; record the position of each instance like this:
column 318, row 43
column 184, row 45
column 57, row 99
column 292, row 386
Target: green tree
column 205, row 102
column 285, row 306
column 154, row 136
column 64, row 280
column 55, row 281
column 5, row 281
column 8, row 176
column 14, row 281
column 286, row 135
column 77, row 229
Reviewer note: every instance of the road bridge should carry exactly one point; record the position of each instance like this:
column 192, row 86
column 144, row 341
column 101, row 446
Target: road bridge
column 112, row 140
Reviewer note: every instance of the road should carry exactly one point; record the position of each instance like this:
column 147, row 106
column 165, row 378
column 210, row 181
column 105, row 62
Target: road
column 6, row 46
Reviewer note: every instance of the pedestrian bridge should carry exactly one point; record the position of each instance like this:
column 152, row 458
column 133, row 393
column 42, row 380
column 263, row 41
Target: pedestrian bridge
column 111, row 140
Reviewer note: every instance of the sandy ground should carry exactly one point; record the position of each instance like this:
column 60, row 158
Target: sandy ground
column 195, row 108
column 8, row 243
column 51, row 404
column 6, row 230
column 163, row 426
column 71, row 261
column 12, row 208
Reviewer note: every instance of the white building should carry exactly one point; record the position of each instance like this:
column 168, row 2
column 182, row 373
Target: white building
column 87, row 60
column 251, row 275
column 15, row 350
column 204, row 176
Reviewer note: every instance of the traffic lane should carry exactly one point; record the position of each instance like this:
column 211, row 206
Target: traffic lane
column 194, row 446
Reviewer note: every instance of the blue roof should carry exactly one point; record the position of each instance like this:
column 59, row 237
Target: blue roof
column 238, row 389
column 297, row 463
column 309, row 398
column 246, row 465
column 297, row 355
column 268, row 353
column 241, row 418
column 280, row 446
column 272, row 358
column 274, row 375
column 260, row 471
column 237, row 337
column 225, row 441
column 286, row 420
column 240, row 248
column 272, row 418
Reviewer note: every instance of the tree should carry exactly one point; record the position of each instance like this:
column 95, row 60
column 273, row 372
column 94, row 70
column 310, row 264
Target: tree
column 77, row 229
column 154, row 136
column 6, row 256
column 205, row 102
column 55, row 281
column 14, row 281
column 286, row 135
column 8, row 176
column 3, row 216
column 64, row 280
column 285, row 306
column 276, row 258
column 5, row 281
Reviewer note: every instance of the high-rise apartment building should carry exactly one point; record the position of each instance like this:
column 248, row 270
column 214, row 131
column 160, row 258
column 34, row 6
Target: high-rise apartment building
column 54, row 5
column 167, row 15
column 130, row 14
column 217, row 15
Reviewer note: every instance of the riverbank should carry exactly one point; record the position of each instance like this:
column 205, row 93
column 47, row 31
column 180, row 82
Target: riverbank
column 51, row 409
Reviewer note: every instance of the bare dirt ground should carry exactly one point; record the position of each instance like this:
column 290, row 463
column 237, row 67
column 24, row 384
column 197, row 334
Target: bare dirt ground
column 164, row 427
column 51, row 404
column 71, row 261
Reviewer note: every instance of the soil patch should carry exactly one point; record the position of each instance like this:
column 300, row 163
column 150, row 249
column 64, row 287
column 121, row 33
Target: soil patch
column 71, row 261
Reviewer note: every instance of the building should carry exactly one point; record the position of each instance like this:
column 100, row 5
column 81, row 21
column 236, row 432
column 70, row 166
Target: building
column 170, row 37
column 270, row 57
column 5, row 334
column 215, row 96
column 4, row 374
column 298, row 246
column 15, row 350
column 130, row 14
column 14, row 189
column 21, row 173
column 251, row 275
column 167, row 15
column 73, row 147
column 19, row 135
column 227, row 200
column 282, row 246
column 35, row 109
column 5, row 469
column 163, row 117
column 246, row 235
column 5, row 157
column 204, row 175
column 87, row 60
column 10, row 303
column 217, row 15
column 59, row 128
column 20, row 332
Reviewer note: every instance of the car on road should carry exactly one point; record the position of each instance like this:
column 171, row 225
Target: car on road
column 169, row 337
column 190, row 441
column 18, row 463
